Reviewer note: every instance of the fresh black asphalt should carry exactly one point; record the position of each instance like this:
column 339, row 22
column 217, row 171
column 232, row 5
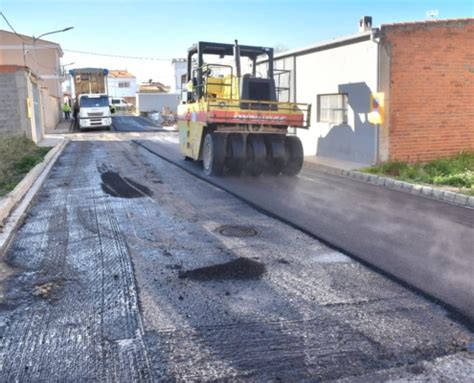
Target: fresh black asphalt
column 425, row 243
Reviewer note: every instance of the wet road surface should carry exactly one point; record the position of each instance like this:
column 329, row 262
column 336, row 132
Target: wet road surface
column 130, row 269
column 135, row 124
column 425, row 243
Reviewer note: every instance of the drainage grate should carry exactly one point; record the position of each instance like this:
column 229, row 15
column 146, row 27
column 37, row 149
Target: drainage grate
column 238, row 231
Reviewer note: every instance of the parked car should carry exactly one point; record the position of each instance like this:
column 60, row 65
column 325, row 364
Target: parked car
column 120, row 103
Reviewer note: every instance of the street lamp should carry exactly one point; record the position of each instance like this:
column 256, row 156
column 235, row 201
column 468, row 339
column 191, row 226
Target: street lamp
column 45, row 34
column 52, row 32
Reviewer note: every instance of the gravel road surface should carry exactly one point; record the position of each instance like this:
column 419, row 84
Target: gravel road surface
column 130, row 269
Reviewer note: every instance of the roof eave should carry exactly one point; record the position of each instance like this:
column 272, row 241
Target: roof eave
column 344, row 40
column 432, row 22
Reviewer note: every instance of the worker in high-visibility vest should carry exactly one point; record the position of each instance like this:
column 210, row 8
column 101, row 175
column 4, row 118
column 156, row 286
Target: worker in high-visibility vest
column 67, row 110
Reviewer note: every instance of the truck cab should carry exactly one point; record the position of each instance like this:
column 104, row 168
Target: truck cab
column 94, row 111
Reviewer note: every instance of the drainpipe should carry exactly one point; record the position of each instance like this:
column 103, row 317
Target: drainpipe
column 374, row 37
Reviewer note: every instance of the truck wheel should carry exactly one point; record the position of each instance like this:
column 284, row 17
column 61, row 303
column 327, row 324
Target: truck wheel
column 236, row 153
column 256, row 154
column 213, row 155
column 294, row 155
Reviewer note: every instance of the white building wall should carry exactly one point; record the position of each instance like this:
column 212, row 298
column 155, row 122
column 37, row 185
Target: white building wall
column 350, row 69
column 117, row 92
column 179, row 69
column 157, row 102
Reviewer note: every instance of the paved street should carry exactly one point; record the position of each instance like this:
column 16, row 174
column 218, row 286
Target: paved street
column 425, row 243
column 123, row 123
column 129, row 268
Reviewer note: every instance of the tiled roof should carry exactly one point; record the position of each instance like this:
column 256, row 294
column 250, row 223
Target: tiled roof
column 146, row 88
column 153, row 87
column 11, row 68
column 117, row 73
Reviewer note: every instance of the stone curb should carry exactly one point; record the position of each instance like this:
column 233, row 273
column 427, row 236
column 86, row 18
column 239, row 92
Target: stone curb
column 390, row 183
column 15, row 203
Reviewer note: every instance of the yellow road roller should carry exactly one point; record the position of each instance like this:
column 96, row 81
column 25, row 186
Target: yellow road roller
column 233, row 122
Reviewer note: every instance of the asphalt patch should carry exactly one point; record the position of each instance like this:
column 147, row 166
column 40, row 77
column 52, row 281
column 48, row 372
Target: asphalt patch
column 116, row 186
column 238, row 269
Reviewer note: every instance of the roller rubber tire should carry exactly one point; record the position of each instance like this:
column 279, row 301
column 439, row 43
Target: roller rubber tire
column 295, row 156
column 236, row 153
column 256, row 154
column 214, row 154
column 276, row 157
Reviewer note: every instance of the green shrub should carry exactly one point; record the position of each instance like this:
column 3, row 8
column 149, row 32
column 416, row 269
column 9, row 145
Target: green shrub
column 18, row 155
column 457, row 171
column 465, row 179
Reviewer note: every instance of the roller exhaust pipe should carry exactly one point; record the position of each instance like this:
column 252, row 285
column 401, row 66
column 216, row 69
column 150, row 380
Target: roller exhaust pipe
column 237, row 65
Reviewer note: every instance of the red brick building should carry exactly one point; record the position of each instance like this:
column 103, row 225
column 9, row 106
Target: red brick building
column 424, row 72
column 427, row 75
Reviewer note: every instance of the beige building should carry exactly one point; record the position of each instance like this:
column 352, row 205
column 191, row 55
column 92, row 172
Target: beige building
column 41, row 60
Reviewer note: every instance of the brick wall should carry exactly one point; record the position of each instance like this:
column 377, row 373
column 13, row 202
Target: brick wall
column 431, row 88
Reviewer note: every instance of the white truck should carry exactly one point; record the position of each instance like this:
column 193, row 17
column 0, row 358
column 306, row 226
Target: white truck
column 90, row 90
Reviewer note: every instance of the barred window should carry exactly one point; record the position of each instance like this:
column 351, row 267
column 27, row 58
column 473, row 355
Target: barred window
column 124, row 84
column 332, row 108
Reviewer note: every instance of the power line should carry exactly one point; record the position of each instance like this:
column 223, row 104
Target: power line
column 11, row 27
column 118, row 56
column 32, row 56
column 90, row 53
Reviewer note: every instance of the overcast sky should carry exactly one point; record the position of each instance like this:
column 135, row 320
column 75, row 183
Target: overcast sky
column 164, row 29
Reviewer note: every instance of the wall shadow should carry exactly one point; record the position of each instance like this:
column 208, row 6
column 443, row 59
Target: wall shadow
column 352, row 143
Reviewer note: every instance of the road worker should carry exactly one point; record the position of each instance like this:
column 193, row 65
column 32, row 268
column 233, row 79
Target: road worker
column 67, row 110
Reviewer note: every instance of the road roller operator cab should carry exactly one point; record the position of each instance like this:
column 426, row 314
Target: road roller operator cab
column 230, row 117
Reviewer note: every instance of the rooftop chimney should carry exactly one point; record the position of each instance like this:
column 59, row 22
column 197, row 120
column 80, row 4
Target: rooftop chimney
column 365, row 23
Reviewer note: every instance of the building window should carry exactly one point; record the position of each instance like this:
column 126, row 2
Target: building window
column 124, row 84
column 332, row 108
